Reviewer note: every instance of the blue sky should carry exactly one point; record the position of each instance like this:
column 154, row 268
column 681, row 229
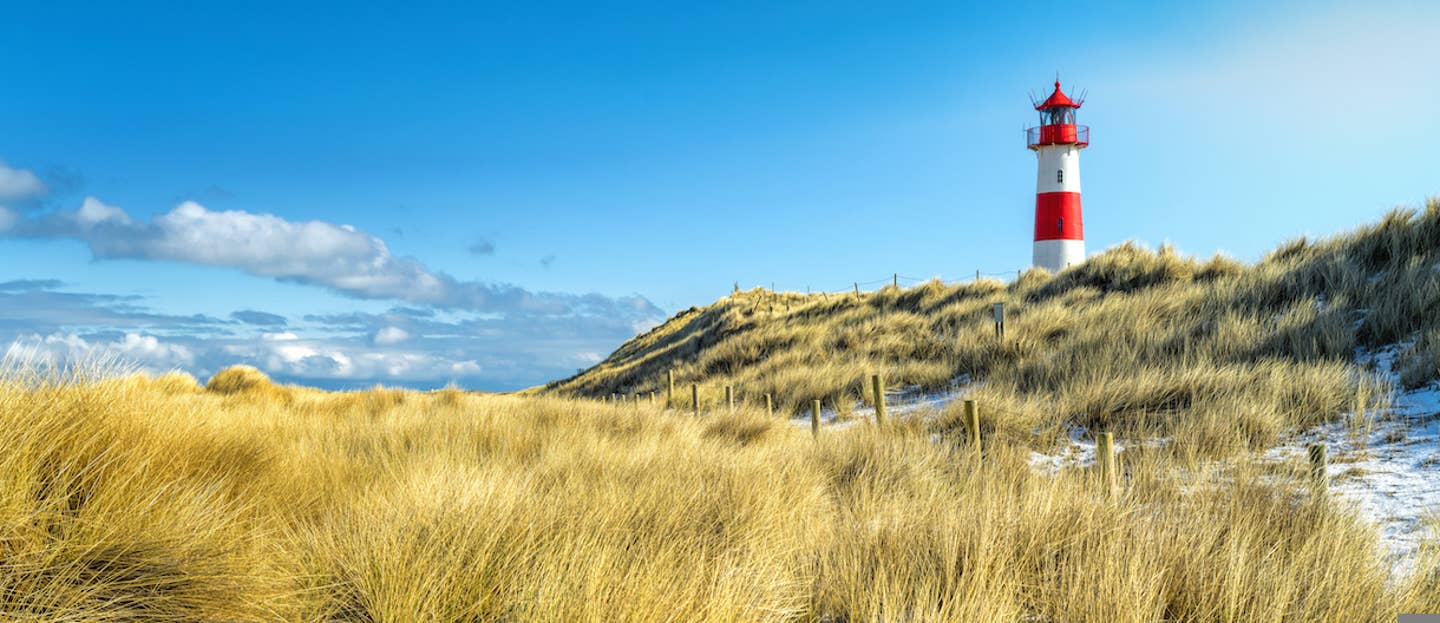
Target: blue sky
column 498, row 194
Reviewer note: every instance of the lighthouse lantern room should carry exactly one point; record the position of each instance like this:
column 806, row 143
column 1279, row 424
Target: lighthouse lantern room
column 1059, row 228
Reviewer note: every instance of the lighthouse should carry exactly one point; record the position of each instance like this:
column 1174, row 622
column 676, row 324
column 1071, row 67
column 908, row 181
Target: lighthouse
column 1059, row 229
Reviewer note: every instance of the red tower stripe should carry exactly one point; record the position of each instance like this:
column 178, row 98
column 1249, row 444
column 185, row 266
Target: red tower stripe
column 1057, row 217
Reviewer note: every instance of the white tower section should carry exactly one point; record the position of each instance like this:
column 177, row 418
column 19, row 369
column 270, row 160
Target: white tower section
column 1058, row 172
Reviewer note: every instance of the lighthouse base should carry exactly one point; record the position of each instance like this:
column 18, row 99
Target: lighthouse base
column 1057, row 255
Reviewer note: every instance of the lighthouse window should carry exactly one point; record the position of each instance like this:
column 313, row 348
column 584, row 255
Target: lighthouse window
column 1060, row 176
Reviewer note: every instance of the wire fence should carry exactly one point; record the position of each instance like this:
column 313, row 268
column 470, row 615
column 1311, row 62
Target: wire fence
column 1113, row 457
column 853, row 406
column 894, row 280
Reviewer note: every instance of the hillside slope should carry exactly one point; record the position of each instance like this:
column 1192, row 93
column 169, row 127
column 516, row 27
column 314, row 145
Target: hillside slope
column 1217, row 353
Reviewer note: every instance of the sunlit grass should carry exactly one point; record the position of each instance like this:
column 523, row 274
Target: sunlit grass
column 127, row 499
column 1134, row 340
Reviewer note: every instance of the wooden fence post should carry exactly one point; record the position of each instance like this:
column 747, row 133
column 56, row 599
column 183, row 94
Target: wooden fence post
column 1319, row 476
column 972, row 425
column 815, row 418
column 1105, row 459
column 670, row 389
column 770, row 405
column 730, row 397
column 878, row 386
column 695, row 397
column 652, row 398
column 857, row 291
column 895, row 280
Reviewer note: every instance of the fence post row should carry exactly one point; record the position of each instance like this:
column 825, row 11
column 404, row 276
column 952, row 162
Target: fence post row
column 815, row 418
column 1319, row 476
column 1105, row 459
column 878, row 386
column 972, row 425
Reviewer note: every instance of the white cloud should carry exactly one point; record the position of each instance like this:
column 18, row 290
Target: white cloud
column 331, row 351
column 497, row 336
column 588, row 358
column 148, row 348
column 465, row 368
column 391, row 335
column 92, row 212
column 339, row 257
column 145, row 351
column 319, row 359
column 19, row 184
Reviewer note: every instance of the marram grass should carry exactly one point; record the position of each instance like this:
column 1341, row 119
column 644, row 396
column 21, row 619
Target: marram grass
column 139, row 499
column 1215, row 352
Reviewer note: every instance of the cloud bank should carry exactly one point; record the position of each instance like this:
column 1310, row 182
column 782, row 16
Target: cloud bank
column 407, row 346
column 444, row 330
column 19, row 184
column 338, row 257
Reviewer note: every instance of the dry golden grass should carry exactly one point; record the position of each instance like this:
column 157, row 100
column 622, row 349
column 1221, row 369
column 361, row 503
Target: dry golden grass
column 124, row 500
column 1214, row 353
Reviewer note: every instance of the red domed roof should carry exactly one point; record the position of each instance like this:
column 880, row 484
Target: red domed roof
column 1057, row 99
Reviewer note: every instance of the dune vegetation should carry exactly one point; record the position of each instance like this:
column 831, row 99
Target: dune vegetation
column 1214, row 354
column 127, row 497
column 140, row 499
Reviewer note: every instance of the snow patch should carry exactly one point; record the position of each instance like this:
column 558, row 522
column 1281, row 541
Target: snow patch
column 906, row 400
column 1390, row 470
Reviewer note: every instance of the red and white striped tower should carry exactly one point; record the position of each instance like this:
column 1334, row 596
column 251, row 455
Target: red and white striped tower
column 1059, row 229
